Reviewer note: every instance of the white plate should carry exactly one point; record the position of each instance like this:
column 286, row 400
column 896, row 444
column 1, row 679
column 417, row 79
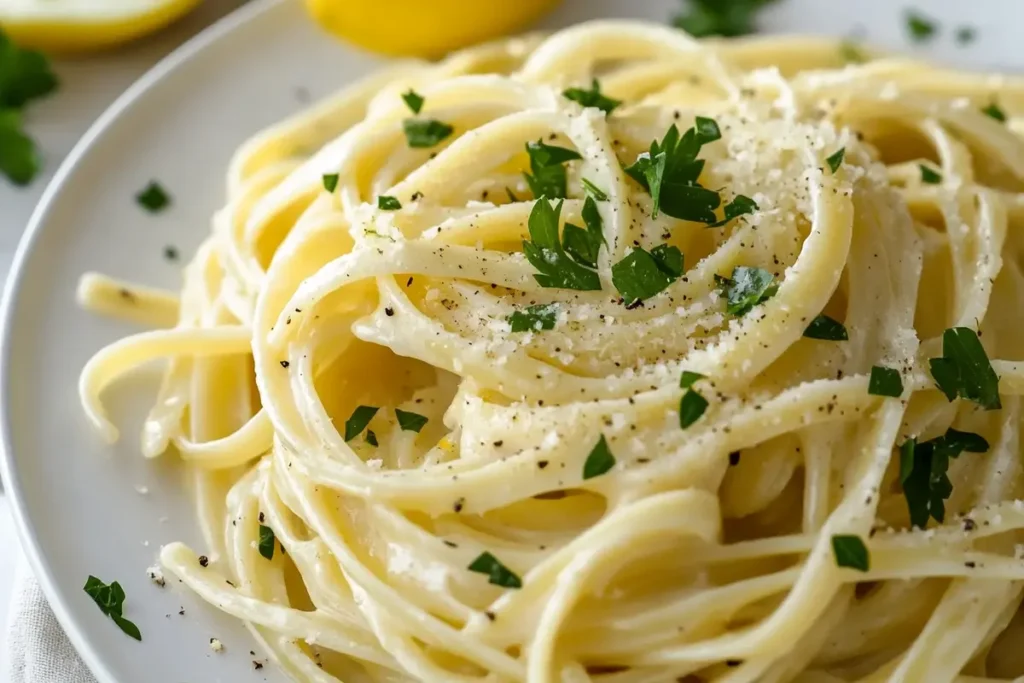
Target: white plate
column 75, row 499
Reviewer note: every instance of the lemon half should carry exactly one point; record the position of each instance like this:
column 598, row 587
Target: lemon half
column 82, row 25
column 424, row 28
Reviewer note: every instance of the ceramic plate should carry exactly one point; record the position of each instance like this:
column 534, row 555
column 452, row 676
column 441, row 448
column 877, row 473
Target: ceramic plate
column 79, row 503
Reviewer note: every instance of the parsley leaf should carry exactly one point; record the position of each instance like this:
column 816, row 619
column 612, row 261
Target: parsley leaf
column 19, row 160
column 688, row 377
column 923, row 467
column 153, row 198
column 641, row 274
column 593, row 190
column 728, row 18
column 826, row 328
column 964, row 369
column 267, row 542
column 852, row 53
column 920, row 27
column 361, row 417
column 929, row 176
column 592, row 97
column 691, row 407
column 885, row 382
column 371, row 438
column 548, row 178
column 670, row 169
column 546, row 254
column 748, row 287
column 498, row 574
column 388, row 203
column 836, row 160
column 410, row 422
column 600, row 460
column 413, row 100
column 423, row 133
column 851, row 552
column 24, row 75
column 994, row 111
column 534, row 318
column 330, row 181
column 110, row 600
column 741, row 205
column 583, row 245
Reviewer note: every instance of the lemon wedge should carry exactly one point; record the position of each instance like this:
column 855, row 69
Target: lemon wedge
column 82, row 25
column 424, row 28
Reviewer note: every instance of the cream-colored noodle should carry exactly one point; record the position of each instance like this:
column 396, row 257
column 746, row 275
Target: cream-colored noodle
column 705, row 553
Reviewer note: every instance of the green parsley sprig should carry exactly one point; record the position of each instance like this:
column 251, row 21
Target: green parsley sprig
column 25, row 75
column 642, row 274
column 923, row 467
column 592, row 97
column 728, row 18
column 496, row 572
column 110, row 600
column 964, row 369
column 748, row 287
column 546, row 253
column 548, row 177
column 534, row 318
column 600, row 461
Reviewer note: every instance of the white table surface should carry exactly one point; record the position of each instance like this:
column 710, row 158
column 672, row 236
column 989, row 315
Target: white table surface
column 87, row 87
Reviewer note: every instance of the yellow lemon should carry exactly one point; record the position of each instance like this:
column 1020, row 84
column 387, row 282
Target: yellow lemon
column 424, row 28
column 81, row 25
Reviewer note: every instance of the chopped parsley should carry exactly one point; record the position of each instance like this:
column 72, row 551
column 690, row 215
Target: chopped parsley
column 920, row 27
column 929, row 176
column 642, row 274
column 691, row 407
column 110, row 600
column 923, row 468
column 670, row 169
column 424, row 133
column 592, row 97
column 330, row 181
column 583, row 245
column 413, row 100
column 836, row 160
column 547, row 177
column 153, row 198
column 851, row 53
column 966, row 35
column 826, row 328
column 497, row 573
column 850, row 552
column 688, row 377
column 388, row 203
column 371, row 438
column 748, row 287
column 25, row 75
column 885, row 382
column 410, row 422
column 741, row 205
column 534, row 318
column 546, row 254
column 994, row 111
column 361, row 417
column 593, row 190
column 964, row 369
column 19, row 160
column 719, row 17
column 600, row 460
column 267, row 542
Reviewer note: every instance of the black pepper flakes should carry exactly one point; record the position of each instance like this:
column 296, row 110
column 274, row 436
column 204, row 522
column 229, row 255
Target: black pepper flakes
column 734, row 458
column 285, row 364
column 389, row 311
column 457, row 506
column 490, row 615
column 541, row 464
column 204, row 561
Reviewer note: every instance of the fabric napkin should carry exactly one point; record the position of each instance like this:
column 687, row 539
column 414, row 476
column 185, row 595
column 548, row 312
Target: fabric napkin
column 38, row 651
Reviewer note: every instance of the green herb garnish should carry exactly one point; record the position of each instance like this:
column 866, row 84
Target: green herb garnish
column 153, row 198
column 669, row 172
column 110, row 600
column 851, row 552
column 826, row 328
column 361, row 417
column 885, row 382
column 267, row 542
column 748, row 287
column 688, row 377
column 740, row 206
column 497, row 573
column 548, row 172
column 330, row 181
column 534, row 318
column 836, row 160
column 24, row 76
column 410, row 422
column 994, row 111
column 593, row 190
column 964, row 369
column 19, row 160
column 691, row 407
column 423, row 133
column 923, row 468
column 583, row 245
column 642, row 274
column 929, row 176
column 371, row 438
column 592, row 97
column 920, row 27
column 719, row 17
column 546, row 254
column 388, row 203
column 599, row 461
column 966, row 35
column 413, row 100
column 852, row 53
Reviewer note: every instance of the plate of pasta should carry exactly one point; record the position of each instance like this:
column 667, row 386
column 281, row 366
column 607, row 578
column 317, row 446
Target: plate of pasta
column 602, row 353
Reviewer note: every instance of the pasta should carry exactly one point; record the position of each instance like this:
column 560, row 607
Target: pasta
column 741, row 404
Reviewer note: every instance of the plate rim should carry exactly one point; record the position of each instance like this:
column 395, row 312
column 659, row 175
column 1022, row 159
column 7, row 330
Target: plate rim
column 32, row 550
